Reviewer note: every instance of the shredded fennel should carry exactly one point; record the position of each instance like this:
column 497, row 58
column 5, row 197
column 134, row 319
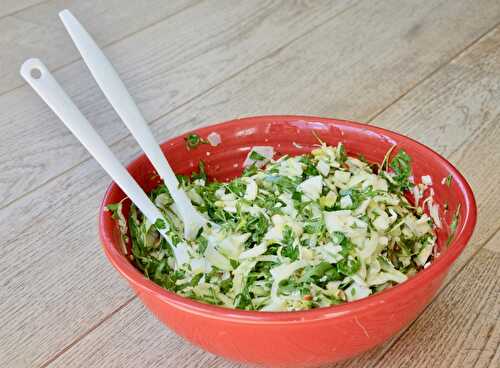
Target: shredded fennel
column 303, row 232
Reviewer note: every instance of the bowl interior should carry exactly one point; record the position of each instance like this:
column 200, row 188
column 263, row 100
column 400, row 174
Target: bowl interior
column 293, row 135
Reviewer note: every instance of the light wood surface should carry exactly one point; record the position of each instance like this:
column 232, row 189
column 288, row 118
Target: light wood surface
column 165, row 66
column 428, row 69
column 42, row 34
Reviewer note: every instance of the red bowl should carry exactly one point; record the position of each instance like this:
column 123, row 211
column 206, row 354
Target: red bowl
column 306, row 338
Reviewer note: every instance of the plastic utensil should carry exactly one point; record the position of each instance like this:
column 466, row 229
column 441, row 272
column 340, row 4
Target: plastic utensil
column 115, row 91
column 44, row 84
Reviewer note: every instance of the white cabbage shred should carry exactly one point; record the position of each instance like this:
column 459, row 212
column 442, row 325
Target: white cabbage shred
column 304, row 232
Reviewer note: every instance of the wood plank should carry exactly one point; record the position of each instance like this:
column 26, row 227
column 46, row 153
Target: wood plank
column 56, row 283
column 122, row 341
column 462, row 324
column 460, row 98
column 164, row 66
column 456, row 112
column 55, row 236
column 38, row 32
column 12, row 6
column 439, row 103
column 494, row 244
column 344, row 70
column 483, row 145
column 461, row 328
column 73, row 193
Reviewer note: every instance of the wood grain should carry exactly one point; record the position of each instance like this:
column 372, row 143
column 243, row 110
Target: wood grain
column 494, row 244
column 457, row 113
column 162, row 71
column 55, row 281
column 57, row 289
column 461, row 328
column 12, row 6
column 38, row 32
column 133, row 337
column 483, row 144
column 164, row 66
column 50, row 250
column 461, row 325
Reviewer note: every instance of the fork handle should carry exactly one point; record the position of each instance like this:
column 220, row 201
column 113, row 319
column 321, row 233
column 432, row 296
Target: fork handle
column 45, row 85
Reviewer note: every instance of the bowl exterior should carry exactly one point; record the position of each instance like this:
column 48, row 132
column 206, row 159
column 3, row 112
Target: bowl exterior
column 309, row 338
column 307, row 344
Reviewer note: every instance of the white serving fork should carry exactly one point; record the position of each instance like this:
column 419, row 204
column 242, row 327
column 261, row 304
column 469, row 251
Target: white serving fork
column 41, row 80
column 115, row 91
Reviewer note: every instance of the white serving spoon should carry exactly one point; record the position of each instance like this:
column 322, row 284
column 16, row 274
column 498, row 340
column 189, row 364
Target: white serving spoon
column 115, row 91
column 42, row 81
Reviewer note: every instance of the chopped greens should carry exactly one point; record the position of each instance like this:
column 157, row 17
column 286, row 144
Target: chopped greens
column 453, row 225
column 256, row 156
column 194, row 140
column 304, row 232
column 402, row 171
column 448, row 180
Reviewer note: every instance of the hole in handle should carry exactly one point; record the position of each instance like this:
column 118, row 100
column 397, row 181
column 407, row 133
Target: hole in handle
column 36, row 73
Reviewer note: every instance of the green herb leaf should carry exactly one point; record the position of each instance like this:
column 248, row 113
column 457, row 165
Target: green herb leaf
column 201, row 174
column 341, row 153
column 316, row 272
column 289, row 250
column 113, row 208
column 453, row 225
column 448, row 180
column 160, row 224
column 202, row 244
column 256, row 156
column 349, row 266
column 193, row 141
column 401, row 164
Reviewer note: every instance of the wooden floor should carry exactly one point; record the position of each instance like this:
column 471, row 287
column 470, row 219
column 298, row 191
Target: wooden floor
column 428, row 69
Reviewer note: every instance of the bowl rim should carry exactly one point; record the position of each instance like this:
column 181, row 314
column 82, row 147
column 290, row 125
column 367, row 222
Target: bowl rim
column 143, row 285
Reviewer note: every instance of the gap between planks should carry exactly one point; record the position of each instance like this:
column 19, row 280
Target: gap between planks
column 391, row 343
column 434, row 72
column 17, row 11
column 448, row 282
column 234, row 75
column 83, row 335
column 386, row 348
column 199, row 95
column 103, row 46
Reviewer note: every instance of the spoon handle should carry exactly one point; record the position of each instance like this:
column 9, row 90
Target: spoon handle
column 117, row 94
column 45, row 85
